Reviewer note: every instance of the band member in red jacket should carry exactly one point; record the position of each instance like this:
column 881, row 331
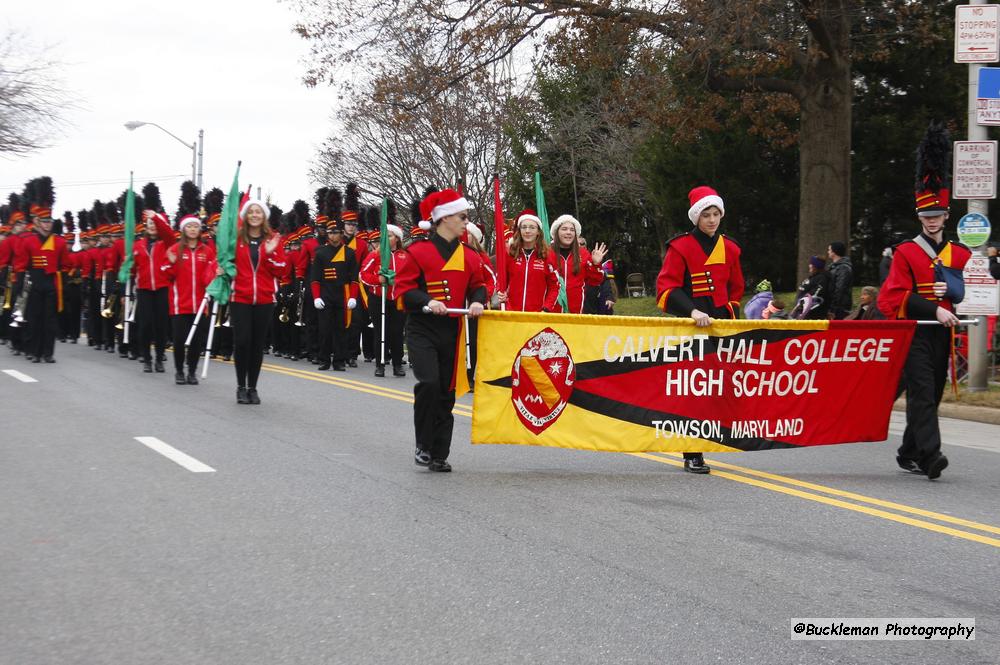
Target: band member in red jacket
column 18, row 222
column 260, row 263
column 395, row 316
column 701, row 277
column 152, row 308
column 189, row 268
column 577, row 267
column 442, row 273
column 334, row 289
column 532, row 285
column 914, row 290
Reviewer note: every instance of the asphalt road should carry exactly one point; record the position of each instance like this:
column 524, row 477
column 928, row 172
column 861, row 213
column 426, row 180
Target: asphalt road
column 308, row 535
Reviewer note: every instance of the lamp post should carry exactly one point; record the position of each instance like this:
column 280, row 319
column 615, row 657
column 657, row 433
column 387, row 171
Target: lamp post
column 197, row 148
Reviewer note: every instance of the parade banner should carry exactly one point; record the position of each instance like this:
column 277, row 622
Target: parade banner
column 637, row 384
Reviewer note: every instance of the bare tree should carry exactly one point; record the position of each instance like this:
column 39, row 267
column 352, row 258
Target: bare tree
column 32, row 100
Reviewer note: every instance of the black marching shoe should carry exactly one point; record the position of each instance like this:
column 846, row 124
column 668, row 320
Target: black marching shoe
column 439, row 465
column 158, row 366
column 421, row 457
column 192, row 380
column 179, row 379
column 73, row 341
column 696, row 465
column 241, row 395
column 379, row 369
column 35, row 359
column 369, row 360
column 908, row 465
column 252, row 397
column 147, row 366
column 110, row 349
column 339, row 367
column 15, row 352
column 936, row 466
column 50, row 360
column 352, row 362
column 324, row 367
column 397, row 370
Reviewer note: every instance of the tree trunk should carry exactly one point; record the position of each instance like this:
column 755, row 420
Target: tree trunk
column 825, row 147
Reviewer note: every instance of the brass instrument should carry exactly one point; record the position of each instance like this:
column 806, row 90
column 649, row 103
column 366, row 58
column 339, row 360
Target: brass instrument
column 109, row 306
column 222, row 320
column 298, row 311
column 283, row 314
column 8, row 292
column 20, row 307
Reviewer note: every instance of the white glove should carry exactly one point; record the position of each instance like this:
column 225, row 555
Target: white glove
column 351, row 303
column 319, row 304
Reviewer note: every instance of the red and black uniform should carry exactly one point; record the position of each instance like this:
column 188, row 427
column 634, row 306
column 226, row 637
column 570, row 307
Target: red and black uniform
column 69, row 318
column 151, row 315
column 576, row 282
column 187, row 277
column 114, row 256
column 532, row 285
column 95, row 326
column 451, row 273
column 701, row 272
column 394, row 311
column 908, row 293
column 334, row 278
column 252, row 304
column 286, row 335
column 8, row 252
column 42, row 259
column 360, row 318
column 310, row 243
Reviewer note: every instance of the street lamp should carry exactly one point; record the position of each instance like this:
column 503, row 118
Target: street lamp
column 197, row 148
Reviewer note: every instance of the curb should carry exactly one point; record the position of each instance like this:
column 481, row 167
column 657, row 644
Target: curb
column 979, row 414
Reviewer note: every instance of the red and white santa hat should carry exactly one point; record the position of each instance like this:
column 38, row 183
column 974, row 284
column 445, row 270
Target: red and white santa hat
column 474, row 231
column 566, row 219
column 395, row 230
column 188, row 219
column 441, row 204
column 253, row 202
column 529, row 215
column 701, row 198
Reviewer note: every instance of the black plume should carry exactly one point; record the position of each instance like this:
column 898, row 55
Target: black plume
column 14, row 202
column 190, row 201
column 151, row 195
column 68, row 224
column 428, row 191
column 934, row 159
column 274, row 213
column 44, row 194
column 139, row 203
column 111, row 213
column 372, row 218
column 213, row 201
column 415, row 213
column 4, row 213
column 28, row 195
column 301, row 211
column 391, row 215
column 352, row 198
column 320, row 198
column 83, row 217
column 97, row 214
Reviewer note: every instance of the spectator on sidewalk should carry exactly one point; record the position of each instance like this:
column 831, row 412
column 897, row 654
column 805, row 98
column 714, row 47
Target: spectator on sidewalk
column 867, row 310
column 841, row 279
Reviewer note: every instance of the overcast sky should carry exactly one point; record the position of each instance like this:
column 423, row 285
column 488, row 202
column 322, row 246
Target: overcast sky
column 232, row 68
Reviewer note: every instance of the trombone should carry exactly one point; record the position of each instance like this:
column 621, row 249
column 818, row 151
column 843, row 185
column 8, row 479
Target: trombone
column 298, row 311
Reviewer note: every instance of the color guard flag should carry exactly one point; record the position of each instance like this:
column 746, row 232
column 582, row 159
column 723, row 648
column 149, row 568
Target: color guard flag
column 636, row 384
column 126, row 269
column 225, row 243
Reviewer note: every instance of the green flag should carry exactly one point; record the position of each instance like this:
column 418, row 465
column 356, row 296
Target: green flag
column 384, row 252
column 225, row 244
column 562, row 299
column 126, row 269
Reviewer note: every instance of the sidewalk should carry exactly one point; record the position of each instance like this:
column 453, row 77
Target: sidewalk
column 964, row 433
column 979, row 414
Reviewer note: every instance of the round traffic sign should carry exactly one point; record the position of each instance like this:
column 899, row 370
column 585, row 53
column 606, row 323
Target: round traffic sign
column 974, row 229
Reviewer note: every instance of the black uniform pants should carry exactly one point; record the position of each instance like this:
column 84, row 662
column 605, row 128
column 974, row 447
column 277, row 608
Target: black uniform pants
column 95, row 329
column 69, row 318
column 249, row 324
column 924, row 377
column 181, row 327
column 394, row 321
column 42, row 317
column 332, row 333
column 153, row 320
column 109, row 333
column 432, row 353
column 309, row 315
column 359, row 319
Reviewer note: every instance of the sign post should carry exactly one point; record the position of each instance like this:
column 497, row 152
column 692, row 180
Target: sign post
column 977, row 40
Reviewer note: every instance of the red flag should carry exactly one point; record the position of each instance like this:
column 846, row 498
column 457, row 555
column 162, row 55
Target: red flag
column 500, row 246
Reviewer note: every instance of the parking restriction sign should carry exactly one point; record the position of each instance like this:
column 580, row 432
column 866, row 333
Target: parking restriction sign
column 975, row 170
column 977, row 34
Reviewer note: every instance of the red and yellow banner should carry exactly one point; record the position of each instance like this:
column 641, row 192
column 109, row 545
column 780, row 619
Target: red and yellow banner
column 629, row 384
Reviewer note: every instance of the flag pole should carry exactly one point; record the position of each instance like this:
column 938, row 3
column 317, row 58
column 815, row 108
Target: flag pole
column 197, row 318
column 382, row 334
column 211, row 334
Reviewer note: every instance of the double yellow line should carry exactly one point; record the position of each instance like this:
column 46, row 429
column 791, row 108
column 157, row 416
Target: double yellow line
column 831, row 496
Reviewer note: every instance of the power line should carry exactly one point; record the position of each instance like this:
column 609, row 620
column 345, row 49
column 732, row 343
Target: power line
column 107, row 181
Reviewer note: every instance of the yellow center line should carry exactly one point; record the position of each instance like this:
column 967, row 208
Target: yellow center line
column 902, row 519
column 404, row 393
column 857, row 497
column 463, row 410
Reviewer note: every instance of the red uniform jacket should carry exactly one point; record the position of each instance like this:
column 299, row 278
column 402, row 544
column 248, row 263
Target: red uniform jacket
column 489, row 275
column 305, row 257
column 709, row 281
column 146, row 264
column 589, row 275
column 532, row 284
column 114, row 256
column 8, row 250
column 188, row 276
column 50, row 255
column 369, row 275
column 360, row 247
column 256, row 285
column 85, row 262
column 908, row 291
column 292, row 257
column 430, row 276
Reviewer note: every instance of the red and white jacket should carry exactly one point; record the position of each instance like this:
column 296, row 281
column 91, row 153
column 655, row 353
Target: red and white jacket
column 531, row 282
column 188, row 276
column 145, row 263
column 371, row 267
column 256, row 285
column 576, row 283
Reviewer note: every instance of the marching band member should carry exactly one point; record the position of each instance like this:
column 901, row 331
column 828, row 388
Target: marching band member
column 334, row 290
column 474, row 238
column 442, row 273
column 17, row 221
column 578, row 267
column 359, row 318
column 701, row 277
column 914, row 290
column 69, row 319
column 152, row 295
column 310, row 243
column 189, row 268
column 114, row 256
column 41, row 257
column 260, row 262
column 532, row 284
column 394, row 313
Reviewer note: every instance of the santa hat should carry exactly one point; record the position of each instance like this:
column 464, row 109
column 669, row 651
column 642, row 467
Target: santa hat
column 701, row 198
column 529, row 215
column 395, row 230
column 253, row 202
column 444, row 203
column 566, row 219
column 933, row 172
column 188, row 219
column 474, row 232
